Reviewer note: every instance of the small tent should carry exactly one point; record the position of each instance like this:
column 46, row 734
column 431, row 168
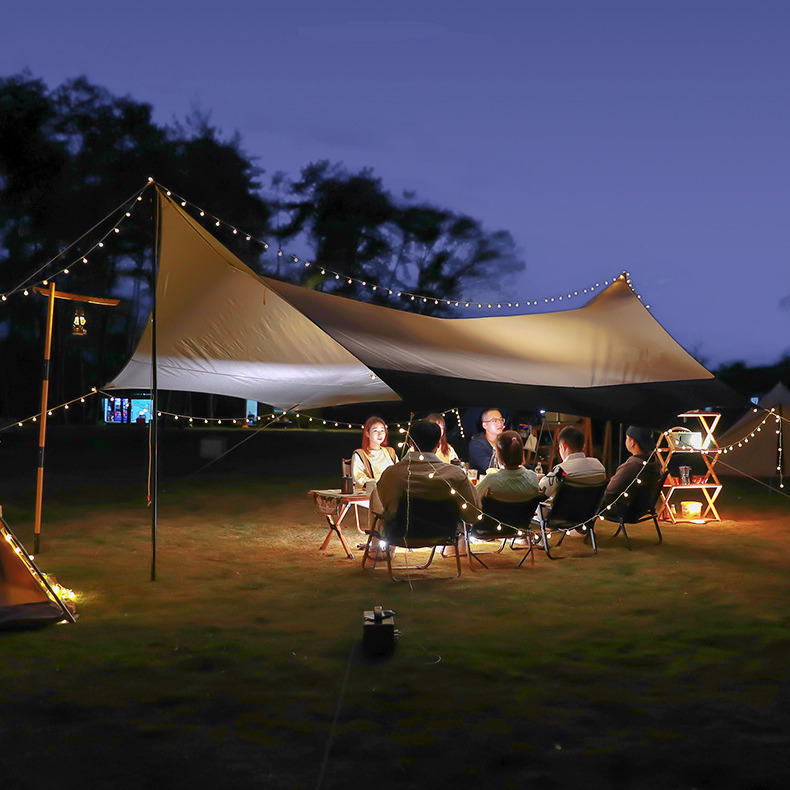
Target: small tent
column 27, row 599
column 753, row 452
column 222, row 329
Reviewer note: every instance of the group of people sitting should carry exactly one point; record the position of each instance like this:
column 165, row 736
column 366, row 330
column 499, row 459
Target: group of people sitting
column 427, row 470
column 375, row 455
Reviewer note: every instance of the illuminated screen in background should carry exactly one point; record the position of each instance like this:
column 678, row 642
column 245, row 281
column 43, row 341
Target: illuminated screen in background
column 129, row 410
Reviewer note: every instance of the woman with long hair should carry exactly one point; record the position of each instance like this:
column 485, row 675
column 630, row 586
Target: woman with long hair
column 375, row 455
column 512, row 483
column 445, row 451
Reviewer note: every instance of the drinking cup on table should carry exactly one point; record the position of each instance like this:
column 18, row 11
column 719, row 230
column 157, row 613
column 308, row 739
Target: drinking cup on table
column 472, row 475
column 370, row 487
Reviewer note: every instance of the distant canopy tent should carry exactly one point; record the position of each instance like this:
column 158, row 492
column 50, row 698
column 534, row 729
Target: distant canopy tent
column 760, row 456
column 223, row 329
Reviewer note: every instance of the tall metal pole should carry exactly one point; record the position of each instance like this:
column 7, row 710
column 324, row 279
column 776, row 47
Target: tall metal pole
column 154, row 393
column 42, row 430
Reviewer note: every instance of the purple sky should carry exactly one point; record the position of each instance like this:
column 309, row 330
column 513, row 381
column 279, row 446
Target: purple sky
column 604, row 135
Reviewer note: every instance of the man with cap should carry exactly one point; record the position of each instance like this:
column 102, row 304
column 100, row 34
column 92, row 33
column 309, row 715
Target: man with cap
column 640, row 443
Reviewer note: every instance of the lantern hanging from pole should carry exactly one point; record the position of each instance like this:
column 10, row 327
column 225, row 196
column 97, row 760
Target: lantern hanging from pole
column 78, row 325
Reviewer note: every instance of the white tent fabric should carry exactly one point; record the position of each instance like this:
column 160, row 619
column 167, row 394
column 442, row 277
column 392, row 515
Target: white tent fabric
column 759, row 456
column 223, row 329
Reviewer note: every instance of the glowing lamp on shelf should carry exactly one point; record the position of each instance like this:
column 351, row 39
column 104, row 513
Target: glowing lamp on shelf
column 690, row 510
column 78, row 323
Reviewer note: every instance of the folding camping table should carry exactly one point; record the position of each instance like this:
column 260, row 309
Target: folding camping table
column 335, row 505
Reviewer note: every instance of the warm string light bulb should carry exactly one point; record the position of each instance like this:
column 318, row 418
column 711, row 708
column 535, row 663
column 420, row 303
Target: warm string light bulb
column 50, row 411
column 424, row 298
column 82, row 258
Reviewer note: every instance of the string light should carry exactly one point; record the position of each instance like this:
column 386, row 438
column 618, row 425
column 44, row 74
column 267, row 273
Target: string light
column 744, row 439
column 206, row 420
column 50, row 411
column 411, row 296
column 65, row 270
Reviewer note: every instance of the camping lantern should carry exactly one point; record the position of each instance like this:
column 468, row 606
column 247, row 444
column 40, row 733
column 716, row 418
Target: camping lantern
column 78, row 324
column 690, row 509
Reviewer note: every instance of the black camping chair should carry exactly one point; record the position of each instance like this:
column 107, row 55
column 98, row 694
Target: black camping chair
column 418, row 524
column 506, row 522
column 639, row 506
column 573, row 507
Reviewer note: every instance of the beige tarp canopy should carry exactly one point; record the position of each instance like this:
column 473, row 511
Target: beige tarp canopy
column 223, row 329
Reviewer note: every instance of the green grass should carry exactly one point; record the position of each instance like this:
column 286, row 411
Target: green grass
column 664, row 667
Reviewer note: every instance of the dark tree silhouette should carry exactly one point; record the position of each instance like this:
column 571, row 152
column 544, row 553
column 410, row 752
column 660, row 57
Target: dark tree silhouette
column 67, row 157
column 71, row 155
column 357, row 228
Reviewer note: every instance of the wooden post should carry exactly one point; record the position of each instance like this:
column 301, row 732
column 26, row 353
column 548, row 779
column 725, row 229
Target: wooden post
column 588, row 439
column 606, row 452
column 42, row 429
column 51, row 294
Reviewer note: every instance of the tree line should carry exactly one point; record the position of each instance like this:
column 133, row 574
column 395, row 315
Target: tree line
column 70, row 154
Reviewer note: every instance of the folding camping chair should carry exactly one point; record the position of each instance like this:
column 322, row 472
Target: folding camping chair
column 573, row 506
column 418, row 524
column 505, row 522
column 638, row 507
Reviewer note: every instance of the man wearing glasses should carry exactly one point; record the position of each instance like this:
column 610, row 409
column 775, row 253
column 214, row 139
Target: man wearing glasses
column 482, row 447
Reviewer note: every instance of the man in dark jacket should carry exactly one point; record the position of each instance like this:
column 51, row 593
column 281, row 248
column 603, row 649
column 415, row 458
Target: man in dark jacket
column 482, row 446
column 640, row 443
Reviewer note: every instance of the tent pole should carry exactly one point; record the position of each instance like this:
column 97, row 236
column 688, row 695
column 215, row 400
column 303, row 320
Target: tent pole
column 154, row 392
column 42, row 431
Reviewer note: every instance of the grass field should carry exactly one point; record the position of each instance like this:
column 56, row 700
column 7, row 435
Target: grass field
column 663, row 667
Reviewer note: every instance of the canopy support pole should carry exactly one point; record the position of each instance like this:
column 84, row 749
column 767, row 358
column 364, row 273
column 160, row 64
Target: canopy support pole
column 154, row 435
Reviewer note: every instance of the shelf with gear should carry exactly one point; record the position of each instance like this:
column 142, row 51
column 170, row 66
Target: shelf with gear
column 690, row 456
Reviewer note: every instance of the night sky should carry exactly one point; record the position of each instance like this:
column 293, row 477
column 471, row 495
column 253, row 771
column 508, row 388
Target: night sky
column 652, row 137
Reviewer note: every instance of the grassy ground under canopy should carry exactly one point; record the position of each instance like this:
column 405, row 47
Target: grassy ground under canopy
column 663, row 667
